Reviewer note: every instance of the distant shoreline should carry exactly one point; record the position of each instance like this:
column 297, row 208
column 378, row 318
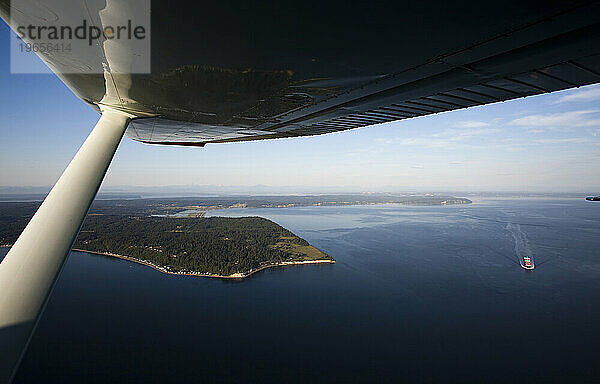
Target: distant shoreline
column 202, row 212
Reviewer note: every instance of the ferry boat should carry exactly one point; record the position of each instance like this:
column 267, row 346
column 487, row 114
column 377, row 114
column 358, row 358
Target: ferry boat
column 527, row 262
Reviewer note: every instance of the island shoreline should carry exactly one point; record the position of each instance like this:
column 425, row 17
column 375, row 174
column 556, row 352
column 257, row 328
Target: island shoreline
column 235, row 276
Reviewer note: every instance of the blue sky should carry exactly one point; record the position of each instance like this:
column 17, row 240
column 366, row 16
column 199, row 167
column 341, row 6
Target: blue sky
column 547, row 142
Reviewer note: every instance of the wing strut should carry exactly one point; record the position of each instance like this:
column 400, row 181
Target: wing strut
column 32, row 266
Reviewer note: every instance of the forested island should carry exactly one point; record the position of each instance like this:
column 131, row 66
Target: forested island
column 214, row 247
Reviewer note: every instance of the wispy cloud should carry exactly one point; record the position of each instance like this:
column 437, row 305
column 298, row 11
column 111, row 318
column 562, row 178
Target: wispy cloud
column 588, row 94
column 590, row 123
column 431, row 142
column 565, row 119
column 472, row 124
column 515, row 148
column 420, row 142
column 565, row 140
column 460, row 134
column 448, row 138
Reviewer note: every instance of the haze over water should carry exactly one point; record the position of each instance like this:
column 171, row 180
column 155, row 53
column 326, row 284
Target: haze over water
column 428, row 294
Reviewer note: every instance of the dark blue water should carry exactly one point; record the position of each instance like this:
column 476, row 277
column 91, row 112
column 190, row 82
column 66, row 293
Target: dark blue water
column 419, row 294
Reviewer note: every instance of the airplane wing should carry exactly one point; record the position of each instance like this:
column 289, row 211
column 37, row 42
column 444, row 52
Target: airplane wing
column 223, row 71
column 239, row 71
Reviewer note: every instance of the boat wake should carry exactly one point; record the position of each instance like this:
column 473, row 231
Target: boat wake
column 524, row 254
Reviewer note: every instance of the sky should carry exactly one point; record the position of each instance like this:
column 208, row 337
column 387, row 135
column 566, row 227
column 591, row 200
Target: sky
column 547, row 142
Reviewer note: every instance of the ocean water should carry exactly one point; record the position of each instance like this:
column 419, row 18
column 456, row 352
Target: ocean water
column 418, row 294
